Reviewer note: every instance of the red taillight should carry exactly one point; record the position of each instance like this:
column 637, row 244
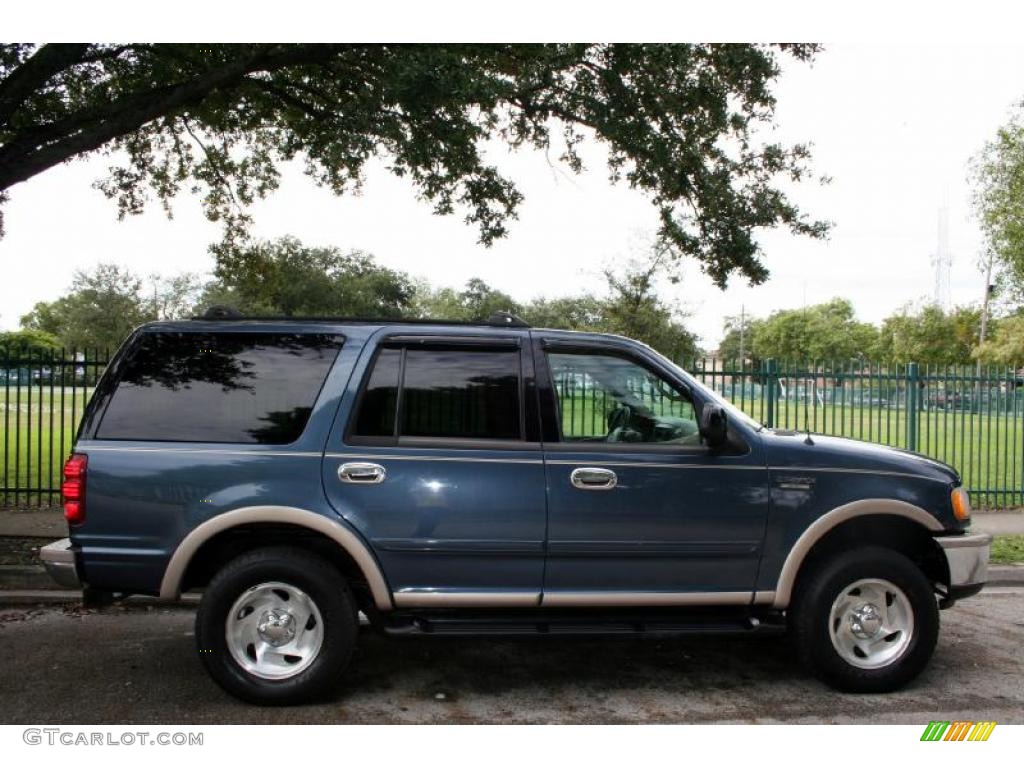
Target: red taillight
column 73, row 488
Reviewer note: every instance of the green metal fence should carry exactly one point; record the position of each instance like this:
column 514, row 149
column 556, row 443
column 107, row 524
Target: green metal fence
column 42, row 397
column 966, row 416
column 969, row 417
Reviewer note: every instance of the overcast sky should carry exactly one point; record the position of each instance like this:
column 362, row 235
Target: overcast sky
column 893, row 126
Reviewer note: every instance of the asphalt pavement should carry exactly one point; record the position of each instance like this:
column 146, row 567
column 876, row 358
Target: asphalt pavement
column 138, row 665
column 135, row 663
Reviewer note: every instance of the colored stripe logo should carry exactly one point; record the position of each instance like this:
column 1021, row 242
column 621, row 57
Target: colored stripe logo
column 958, row 730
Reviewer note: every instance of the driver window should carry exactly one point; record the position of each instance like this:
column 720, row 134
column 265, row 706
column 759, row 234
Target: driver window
column 608, row 399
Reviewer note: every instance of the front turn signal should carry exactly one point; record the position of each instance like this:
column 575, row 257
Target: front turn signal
column 961, row 505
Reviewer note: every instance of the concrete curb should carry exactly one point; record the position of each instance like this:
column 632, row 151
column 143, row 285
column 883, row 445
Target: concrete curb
column 1005, row 575
column 19, row 577
column 49, row 597
column 39, row 597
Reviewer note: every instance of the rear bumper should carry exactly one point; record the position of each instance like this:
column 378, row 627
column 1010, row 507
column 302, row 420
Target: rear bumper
column 967, row 557
column 59, row 559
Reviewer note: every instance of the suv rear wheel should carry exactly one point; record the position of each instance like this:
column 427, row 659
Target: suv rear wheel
column 866, row 621
column 277, row 626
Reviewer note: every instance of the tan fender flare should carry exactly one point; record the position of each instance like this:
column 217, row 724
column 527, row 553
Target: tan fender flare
column 816, row 530
column 170, row 587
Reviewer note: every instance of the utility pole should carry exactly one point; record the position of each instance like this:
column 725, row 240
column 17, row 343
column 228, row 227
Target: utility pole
column 983, row 331
column 985, row 301
column 743, row 333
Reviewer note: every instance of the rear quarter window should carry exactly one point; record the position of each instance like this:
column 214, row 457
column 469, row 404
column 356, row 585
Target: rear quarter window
column 218, row 387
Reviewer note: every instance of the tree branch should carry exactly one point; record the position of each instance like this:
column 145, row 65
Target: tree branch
column 212, row 161
column 34, row 72
column 290, row 99
column 88, row 130
column 23, row 158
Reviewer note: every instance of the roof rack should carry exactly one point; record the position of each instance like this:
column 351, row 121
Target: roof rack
column 507, row 319
column 220, row 312
column 498, row 319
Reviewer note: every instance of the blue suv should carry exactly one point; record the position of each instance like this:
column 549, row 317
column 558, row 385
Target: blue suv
column 492, row 479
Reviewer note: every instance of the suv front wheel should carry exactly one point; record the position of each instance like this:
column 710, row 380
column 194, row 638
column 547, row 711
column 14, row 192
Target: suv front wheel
column 866, row 621
column 277, row 626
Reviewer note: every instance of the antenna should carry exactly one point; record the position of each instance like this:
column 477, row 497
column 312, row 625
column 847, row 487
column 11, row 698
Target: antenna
column 942, row 262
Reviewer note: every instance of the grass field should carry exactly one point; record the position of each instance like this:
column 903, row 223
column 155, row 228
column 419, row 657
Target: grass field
column 36, row 431
column 986, row 448
column 1007, row 550
column 37, row 426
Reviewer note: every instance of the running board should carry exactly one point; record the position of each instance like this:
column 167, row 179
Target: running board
column 512, row 624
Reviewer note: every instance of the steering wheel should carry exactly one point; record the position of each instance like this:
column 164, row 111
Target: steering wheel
column 618, row 419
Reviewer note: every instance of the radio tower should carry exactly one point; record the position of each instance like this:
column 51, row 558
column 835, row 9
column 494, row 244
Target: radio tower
column 942, row 262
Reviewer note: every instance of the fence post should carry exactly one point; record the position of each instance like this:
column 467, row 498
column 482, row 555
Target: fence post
column 913, row 406
column 769, row 369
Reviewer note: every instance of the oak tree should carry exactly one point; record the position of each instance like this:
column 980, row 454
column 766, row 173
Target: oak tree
column 820, row 332
column 285, row 277
column 681, row 123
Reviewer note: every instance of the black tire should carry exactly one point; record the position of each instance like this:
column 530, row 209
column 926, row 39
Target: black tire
column 311, row 574
column 812, row 605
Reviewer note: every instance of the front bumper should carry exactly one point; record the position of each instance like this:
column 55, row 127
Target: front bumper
column 967, row 557
column 59, row 559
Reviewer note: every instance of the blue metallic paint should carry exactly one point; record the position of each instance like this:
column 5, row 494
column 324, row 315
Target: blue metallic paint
column 470, row 522
column 677, row 523
column 493, row 519
column 446, row 518
column 840, row 471
column 680, row 518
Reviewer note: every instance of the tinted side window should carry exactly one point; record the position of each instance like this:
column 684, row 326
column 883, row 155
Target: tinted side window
column 219, row 387
column 608, row 399
column 444, row 393
column 380, row 397
column 461, row 393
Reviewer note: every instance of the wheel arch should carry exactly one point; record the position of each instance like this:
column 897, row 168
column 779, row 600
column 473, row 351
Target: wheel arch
column 867, row 517
column 245, row 517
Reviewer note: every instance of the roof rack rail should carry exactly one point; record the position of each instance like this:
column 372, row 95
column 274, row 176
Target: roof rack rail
column 497, row 319
column 221, row 312
column 506, row 319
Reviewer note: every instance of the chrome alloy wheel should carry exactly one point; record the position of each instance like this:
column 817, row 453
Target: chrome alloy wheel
column 274, row 630
column 871, row 623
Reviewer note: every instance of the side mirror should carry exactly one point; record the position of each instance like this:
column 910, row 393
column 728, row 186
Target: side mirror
column 713, row 427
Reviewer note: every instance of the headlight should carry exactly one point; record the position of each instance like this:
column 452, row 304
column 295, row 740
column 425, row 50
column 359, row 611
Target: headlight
column 961, row 505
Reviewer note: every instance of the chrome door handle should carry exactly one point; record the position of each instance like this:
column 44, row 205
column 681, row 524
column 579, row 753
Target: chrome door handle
column 361, row 472
column 593, row 478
